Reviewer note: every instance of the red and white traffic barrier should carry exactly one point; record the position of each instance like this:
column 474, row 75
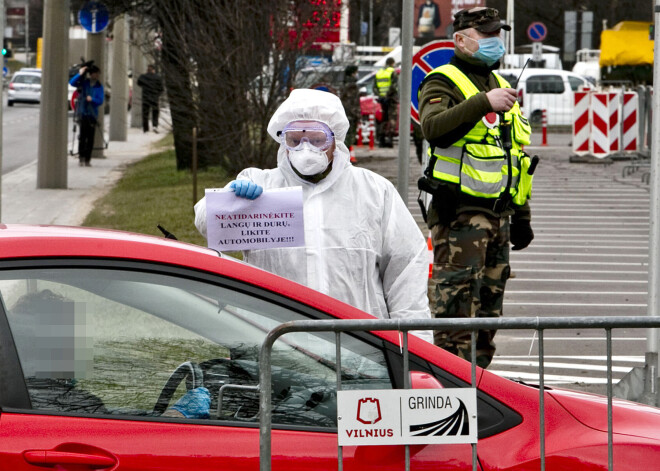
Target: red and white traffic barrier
column 630, row 120
column 359, row 135
column 544, row 128
column 581, row 123
column 614, row 121
column 600, row 125
column 372, row 131
column 429, row 244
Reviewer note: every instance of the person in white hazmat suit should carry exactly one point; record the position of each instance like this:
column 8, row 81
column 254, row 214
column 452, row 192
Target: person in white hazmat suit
column 363, row 246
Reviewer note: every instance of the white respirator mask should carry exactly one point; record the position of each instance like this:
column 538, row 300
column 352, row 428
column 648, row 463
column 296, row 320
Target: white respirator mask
column 309, row 160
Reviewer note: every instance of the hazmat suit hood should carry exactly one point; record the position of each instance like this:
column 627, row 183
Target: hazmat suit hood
column 306, row 104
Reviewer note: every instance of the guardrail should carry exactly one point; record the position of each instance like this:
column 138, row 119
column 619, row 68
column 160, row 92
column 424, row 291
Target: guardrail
column 404, row 326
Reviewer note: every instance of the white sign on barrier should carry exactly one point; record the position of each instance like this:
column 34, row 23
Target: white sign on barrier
column 407, row 416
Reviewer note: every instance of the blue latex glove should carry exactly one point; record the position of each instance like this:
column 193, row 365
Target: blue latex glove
column 246, row 189
column 194, row 404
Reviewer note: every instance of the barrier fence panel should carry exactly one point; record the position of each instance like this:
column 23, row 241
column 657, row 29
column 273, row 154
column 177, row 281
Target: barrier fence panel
column 539, row 325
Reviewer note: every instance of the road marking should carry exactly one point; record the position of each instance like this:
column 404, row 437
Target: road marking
column 567, row 366
column 508, row 303
column 549, row 379
column 617, row 358
column 586, row 255
column 580, row 280
column 556, row 262
column 599, row 293
column 549, row 270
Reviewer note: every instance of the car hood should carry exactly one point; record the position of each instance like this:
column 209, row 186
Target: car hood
column 628, row 418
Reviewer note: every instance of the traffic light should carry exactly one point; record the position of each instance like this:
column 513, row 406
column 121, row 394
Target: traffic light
column 6, row 52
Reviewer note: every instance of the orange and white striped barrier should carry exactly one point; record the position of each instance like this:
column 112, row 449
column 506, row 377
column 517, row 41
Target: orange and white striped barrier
column 600, row 125
column 630, row 121
column 352, row 153
column 429, row 244
column 581, row 123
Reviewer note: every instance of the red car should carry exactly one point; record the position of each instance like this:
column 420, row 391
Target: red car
column 102, row 331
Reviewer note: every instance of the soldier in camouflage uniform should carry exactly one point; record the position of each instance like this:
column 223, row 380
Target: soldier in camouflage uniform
column 471, row 230
column 350, row 98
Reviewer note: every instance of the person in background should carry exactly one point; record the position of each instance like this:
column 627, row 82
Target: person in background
column 387, row 90
column 350, row 98
column 468, row 113
column 363, row 246
column 152, row 87
column 90, row 97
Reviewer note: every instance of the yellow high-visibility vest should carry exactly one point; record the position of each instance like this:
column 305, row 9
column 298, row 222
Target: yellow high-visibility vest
column 477, row 162
column 384, row 80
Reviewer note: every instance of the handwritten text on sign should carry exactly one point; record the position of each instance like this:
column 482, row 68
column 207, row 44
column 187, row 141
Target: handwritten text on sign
column 274, row 219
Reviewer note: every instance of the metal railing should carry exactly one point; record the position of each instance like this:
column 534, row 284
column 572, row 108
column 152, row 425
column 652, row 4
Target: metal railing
column 473, row 325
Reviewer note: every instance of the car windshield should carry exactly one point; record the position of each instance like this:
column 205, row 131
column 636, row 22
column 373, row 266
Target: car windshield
column 27, row 79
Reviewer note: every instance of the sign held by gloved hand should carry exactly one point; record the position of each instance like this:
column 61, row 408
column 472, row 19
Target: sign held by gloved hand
column 274, row 219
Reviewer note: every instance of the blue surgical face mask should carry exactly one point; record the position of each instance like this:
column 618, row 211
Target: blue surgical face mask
column 490, row 50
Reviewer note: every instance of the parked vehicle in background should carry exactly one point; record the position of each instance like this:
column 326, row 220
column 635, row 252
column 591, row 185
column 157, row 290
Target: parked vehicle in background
column 24, row 87
column 545, row 89
column 588, row 64
column 329, row 78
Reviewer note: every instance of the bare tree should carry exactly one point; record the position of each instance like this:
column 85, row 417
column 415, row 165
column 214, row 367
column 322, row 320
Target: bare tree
column 227, row 65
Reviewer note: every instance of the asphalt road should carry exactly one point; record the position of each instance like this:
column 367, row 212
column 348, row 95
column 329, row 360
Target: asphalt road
column 20, row 134
column 589, row 258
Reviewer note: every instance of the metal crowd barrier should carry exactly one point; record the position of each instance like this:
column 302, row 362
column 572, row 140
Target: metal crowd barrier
column 474, row 325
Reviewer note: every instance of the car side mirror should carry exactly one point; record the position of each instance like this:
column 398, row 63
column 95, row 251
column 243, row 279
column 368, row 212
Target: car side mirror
column 422, row 380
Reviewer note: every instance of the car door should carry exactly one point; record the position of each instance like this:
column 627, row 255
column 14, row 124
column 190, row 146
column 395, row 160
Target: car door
column 94, row 352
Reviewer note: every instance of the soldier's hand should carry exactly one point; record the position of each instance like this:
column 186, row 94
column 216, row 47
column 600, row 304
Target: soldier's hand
column 502, row 99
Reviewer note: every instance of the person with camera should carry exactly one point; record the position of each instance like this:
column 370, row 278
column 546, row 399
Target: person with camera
column 90, row 97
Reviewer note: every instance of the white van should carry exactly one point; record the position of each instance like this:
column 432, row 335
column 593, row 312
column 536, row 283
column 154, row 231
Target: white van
column 545, row 89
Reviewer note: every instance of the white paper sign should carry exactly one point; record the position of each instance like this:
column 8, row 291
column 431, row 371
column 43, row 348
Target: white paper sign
column 274, row 219
column 407, row 416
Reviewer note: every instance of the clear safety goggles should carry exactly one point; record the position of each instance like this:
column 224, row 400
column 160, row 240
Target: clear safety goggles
column 317, row 134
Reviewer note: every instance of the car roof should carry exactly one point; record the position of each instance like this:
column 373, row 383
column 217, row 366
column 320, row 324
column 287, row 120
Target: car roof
column 19, row 241
column 28, row 70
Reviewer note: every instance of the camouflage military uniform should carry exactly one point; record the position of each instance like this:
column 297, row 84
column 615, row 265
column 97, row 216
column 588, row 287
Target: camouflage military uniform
column 350, row 98
column 470, row 269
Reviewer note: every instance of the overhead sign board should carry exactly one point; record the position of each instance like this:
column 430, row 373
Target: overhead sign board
column 94, row 16
column 537, row 31
column 407, row 416
column 432, row 55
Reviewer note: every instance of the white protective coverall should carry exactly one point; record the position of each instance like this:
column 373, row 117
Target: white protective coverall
column 363, row 246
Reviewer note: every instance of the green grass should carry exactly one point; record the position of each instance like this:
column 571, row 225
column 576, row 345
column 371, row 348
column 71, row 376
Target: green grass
column 153, row 192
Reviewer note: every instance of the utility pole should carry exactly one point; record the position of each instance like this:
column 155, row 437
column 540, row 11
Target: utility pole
column 408, row 14
column 119, row 80
column 95, row 50
column 138, row 66
column 27, row 33
column 53, row 123
column 2, row 28
column 651, row 376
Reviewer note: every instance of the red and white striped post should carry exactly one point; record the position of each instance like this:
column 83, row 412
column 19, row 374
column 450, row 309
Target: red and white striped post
column 359, row 135
column 630, row 121
column 600, row 125
column 614, row 121
column 372, row 131
column 544, row 128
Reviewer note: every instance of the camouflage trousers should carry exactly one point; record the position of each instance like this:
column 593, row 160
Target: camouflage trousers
column 470, row 269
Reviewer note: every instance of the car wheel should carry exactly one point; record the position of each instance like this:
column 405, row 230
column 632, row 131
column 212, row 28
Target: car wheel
column 10, row 103
column 537, row 117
